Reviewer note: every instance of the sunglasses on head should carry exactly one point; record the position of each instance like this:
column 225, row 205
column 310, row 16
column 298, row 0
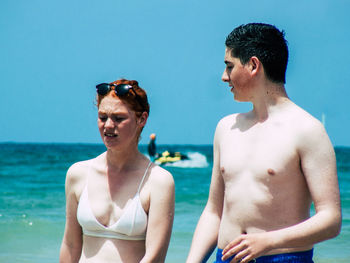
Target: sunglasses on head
column 120, row 90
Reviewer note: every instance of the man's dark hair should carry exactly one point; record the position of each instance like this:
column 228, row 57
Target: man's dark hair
column 265, row 42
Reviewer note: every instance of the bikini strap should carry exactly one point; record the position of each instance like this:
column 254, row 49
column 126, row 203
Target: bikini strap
column 144, row 176
column 88, row 173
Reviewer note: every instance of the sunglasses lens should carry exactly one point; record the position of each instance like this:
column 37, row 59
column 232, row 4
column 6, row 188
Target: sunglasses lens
column 102, row 89
column 122, row 89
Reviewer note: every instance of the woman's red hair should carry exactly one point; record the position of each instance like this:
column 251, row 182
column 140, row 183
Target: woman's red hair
column 138, row 105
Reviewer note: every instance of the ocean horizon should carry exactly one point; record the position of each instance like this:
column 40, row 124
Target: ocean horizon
column 32, row 200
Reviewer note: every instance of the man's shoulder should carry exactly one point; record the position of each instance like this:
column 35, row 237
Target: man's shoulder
column 227, row 120
column 306, row 127
column 304, row 120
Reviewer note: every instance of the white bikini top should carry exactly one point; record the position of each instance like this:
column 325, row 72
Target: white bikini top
column 131, row 225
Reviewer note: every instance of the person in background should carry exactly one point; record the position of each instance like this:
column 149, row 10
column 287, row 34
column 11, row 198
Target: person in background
column 119, row 205
column 152, row 148
column 270, row 164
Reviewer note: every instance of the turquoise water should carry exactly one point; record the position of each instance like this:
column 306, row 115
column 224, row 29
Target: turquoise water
column 32, row 202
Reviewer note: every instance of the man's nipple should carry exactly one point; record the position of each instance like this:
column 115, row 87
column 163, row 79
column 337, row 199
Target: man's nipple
column 271, row 171
column 222, row 170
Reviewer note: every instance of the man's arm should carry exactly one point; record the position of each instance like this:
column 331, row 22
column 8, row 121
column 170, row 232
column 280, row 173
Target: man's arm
column 318, row 164
column 206, row 234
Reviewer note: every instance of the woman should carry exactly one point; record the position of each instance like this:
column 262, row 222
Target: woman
column 120, row 206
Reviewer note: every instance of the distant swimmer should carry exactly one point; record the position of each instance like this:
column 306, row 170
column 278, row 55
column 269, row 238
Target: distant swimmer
column 270, row 164
column 152, row 148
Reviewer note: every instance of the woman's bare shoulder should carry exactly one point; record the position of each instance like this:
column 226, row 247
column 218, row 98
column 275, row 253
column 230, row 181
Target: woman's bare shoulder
column 161, row 177
column 78, row 171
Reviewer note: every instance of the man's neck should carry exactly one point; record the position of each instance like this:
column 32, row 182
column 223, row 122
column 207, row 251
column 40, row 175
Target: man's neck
column 268, row 98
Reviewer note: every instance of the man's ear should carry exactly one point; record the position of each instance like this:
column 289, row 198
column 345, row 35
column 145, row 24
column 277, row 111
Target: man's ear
column 254, row 65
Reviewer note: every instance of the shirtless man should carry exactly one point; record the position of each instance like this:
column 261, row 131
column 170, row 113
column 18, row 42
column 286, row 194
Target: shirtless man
column 270, row 164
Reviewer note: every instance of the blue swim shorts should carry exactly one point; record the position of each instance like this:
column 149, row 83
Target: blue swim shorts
column 296, row 257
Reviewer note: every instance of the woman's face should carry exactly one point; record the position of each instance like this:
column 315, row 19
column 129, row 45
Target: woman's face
column 118, row 125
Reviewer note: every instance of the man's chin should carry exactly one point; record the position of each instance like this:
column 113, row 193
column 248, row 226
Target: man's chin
column 238, row 99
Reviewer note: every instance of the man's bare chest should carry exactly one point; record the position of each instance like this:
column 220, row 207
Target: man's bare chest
column 259, row 152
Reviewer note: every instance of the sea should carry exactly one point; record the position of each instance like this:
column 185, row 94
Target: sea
column 32, row 200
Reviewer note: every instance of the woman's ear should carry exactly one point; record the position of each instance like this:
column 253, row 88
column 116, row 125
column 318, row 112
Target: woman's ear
column 143, row 119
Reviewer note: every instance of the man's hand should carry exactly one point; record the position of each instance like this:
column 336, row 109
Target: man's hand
column 247, row 247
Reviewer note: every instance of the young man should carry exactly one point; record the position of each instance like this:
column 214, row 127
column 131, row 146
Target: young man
column 270, row 164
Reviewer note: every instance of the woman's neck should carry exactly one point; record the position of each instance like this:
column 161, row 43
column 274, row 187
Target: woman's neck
column 123, row 160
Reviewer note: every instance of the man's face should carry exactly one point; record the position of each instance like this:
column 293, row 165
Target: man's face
column 237, row 76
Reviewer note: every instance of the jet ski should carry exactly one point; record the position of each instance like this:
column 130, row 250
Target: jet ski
column 170, row 157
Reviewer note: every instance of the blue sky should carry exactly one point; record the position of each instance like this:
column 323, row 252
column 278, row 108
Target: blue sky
column 53, row 53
